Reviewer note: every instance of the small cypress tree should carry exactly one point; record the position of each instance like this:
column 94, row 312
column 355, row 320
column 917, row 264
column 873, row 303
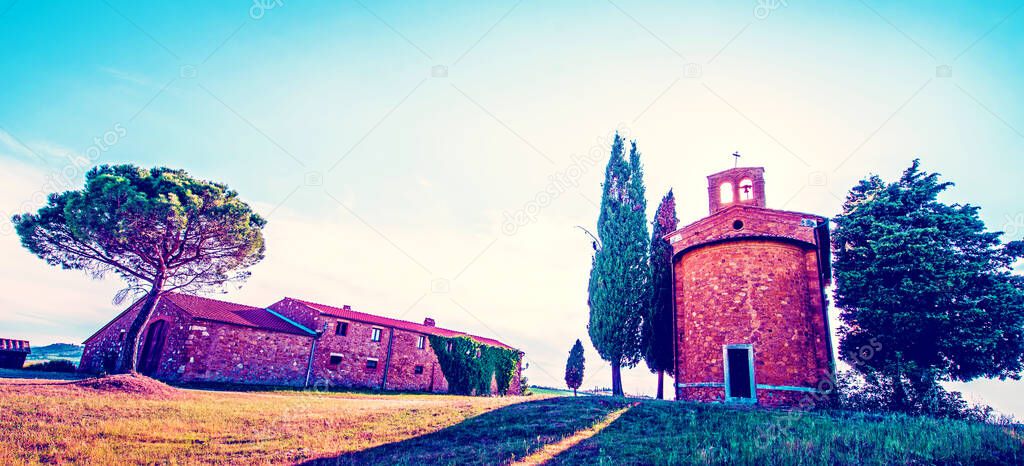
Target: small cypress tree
column 620, row 273
column 657, row 326
column 574, row 367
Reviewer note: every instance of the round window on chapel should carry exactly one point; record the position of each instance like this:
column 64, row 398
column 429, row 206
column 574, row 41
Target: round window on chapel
column 737, row 225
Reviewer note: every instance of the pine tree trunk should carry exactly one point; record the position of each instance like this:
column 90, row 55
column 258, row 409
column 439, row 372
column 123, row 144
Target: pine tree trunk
column 661, row 385
column 617, row 379
column 130, row 350
column 573, row 392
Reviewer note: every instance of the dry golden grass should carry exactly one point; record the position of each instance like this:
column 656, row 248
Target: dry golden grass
column 140, row 421
column 54, row 423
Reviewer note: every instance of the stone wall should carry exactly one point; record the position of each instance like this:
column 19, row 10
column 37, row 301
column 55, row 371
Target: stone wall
column 203, row 351
column 351, row 352
column 217, row 352
column 198, row 350
column 103, row 349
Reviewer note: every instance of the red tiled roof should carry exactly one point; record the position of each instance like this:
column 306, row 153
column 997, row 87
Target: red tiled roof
column 395, row 323
column 232, row 313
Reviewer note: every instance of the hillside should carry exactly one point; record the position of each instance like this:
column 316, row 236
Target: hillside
column 46, row 423
column 66, row 351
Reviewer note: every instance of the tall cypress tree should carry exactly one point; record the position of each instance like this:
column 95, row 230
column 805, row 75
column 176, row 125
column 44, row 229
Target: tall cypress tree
column 657, row 325
column 574, row 367
column 619, row 275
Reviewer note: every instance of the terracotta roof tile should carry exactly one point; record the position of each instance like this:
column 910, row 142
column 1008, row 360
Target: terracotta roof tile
column 232, row 313
column 396, row 323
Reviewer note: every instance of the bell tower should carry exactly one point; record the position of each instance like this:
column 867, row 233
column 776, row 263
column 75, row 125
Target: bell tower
column 736, row 186
column 751, row 321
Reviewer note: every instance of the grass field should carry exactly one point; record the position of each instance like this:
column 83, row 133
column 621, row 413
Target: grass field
column 47, row 422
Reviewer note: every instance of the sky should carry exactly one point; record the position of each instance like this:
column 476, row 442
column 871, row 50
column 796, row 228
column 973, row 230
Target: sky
column 435, row 159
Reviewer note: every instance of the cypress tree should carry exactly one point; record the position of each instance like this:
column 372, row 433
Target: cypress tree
column 620, row 272
column 657, row 324
column 574, row 367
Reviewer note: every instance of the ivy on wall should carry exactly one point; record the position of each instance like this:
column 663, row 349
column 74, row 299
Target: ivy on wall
column 469, row 366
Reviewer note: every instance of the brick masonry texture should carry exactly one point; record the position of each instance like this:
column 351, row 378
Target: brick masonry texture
column 353, row 350
column 735, row 177
column 206, row 350
column 750, row 275
column 197, row 350
column 765, row 396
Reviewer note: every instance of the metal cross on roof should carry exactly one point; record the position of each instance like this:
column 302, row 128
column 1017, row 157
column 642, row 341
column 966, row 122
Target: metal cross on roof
column 736, row 162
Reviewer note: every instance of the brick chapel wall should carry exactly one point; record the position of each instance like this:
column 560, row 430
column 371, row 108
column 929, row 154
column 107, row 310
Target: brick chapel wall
column 218, row 352
column 101, row 352
column 749, row 291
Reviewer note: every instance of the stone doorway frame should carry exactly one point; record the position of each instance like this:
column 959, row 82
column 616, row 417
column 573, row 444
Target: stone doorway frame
column 750, row 364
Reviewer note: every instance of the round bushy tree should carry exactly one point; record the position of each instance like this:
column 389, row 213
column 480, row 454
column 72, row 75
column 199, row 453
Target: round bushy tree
column 926, row 288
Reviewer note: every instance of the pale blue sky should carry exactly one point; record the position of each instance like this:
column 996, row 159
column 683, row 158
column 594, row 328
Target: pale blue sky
column 420, row 170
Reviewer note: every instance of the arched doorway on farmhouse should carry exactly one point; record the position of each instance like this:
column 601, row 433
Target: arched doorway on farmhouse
column 153, row 347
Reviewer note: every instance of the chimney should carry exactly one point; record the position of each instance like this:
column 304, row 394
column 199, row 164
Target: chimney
column 347, row 307
column 428, row 322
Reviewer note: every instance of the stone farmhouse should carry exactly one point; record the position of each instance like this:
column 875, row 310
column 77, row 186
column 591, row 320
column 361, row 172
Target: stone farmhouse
column 749, row 285
column 192, row 339
column 13, row 353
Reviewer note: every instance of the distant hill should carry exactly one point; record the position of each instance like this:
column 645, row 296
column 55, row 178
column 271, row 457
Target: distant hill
column 68, row 351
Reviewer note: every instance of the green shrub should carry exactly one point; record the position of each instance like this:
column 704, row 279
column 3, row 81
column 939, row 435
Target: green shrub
column 876, row 395
column 56, row 365
column 469, row 366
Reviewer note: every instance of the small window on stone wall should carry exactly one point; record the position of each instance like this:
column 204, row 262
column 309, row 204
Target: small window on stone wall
column 421, row 342
column 342, row 329
column 418, row 370
column 371, row 363
column 375, row 334
column 335, row 359
column 725, row 193
column 746, row 190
